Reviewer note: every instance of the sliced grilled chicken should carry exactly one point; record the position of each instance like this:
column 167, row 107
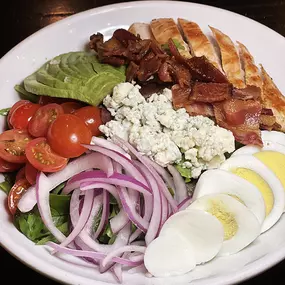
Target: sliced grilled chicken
column 142, row 29
column 230, row 59
column 252, row 75
column 164, row 29
column 273, row 99
column 198, row 41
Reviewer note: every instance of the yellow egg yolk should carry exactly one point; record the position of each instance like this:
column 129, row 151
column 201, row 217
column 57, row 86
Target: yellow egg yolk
column 261, row 185
column 219, row 210
column 275, row 161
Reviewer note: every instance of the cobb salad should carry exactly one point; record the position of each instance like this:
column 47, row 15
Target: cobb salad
column 147, row 153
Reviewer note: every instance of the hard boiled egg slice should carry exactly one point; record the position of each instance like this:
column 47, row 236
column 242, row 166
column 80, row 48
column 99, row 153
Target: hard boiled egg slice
column 171, row 254
column 256, row 172
column 250, row 149
column 221, row 181
column 273, row 136
column 241, row 226
column 203, row 230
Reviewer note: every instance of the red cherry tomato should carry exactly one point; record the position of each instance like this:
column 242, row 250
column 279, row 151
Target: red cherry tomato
column 15, row 194
column 92, row 118
column 66, row 134
column 41, row 156
column 31, row 173
column 15, row 107
column 70, row 107
column 42, row 119
column 21, row 174
column 20, row 118
column 6, row 166
column 13, row 145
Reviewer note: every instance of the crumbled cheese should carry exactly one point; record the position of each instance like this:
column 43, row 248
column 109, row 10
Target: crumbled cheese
column 166, row 135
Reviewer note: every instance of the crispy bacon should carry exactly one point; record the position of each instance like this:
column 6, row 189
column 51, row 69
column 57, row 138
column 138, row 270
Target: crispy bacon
column 242, row 118
column 180, row 96
column 165, row 72
column 200, row 109
column 203, row 70
column 210, row 92
column 131, row 72
column 247, row 93
column 148, row 67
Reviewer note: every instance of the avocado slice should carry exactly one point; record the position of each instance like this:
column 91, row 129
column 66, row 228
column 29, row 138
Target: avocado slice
column 77, row 75
column 53, row 68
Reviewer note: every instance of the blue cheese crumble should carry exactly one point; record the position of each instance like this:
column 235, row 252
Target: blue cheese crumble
column 166, row 135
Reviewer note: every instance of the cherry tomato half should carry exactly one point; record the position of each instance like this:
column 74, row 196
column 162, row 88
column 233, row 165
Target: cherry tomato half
column 17, row 191
column 31, row 173
column 41, row 156
column 66, row 134
column 92, row 118
column 21, row 174
column 14, row 108
column 13, row 145
column 70, row 107
column 20, row 118
column 42, row 119
column 6, row 166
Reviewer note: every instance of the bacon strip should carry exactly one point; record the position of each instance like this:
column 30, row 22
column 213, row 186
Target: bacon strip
column 242, row 118
column 200, row 109
column 210, row 92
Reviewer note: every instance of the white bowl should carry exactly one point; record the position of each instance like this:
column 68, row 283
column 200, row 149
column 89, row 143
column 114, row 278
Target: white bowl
column 72, row 34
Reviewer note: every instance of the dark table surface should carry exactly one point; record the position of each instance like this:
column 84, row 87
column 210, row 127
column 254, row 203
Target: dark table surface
column 21, row 18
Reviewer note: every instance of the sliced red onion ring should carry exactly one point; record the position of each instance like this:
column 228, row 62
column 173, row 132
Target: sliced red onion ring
column 126, row 163
column 92, row 254
column 129, row 208
column 105, row 214
column 180, row 186
column 42, row 196
column 129, row 248
column 159, row 180
column 185, row 203
column 83, row 218
column 86, row 178
column 109, row 145
column 155, row 210
column 110, row 188
column 164, row 210
column 119, row 221
column 92, row 160
column 162, row 172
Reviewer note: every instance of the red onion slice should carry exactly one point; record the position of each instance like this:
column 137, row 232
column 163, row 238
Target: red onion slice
column 109, row 145
column 159, row 180
column 185, row 203
column 180, row 186
column 129, row 248
column 42, row 196
column 128, row 206
column 88, row 161
column 126, row 163
column 92, row 254
column 83, row 218
column 105, row 214
column 110, row 188
column 119, row 221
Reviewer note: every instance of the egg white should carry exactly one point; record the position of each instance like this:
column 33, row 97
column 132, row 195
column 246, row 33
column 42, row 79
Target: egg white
column 252, row 163
column 248, row 226
column 224, row 182
column 203, row 230
column 273, row 136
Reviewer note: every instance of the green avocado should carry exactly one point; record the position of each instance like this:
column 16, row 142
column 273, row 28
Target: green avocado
column 75, row 75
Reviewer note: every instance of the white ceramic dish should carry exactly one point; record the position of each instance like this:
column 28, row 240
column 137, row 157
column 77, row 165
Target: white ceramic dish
column 73, row 34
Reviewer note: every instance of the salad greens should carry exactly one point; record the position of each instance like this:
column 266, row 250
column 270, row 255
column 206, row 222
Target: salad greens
column 184, row 172
column 5, row 111
column 32, row 226
column 177, row 44
column 75, row 75
column 9, row 180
